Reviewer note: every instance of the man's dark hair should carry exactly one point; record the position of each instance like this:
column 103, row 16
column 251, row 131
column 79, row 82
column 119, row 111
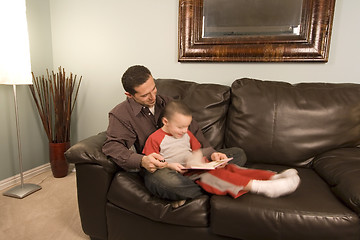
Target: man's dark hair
column 134, row 76
column 176, row 107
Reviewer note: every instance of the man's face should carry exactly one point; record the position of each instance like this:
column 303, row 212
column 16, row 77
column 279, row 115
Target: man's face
column 145, row 93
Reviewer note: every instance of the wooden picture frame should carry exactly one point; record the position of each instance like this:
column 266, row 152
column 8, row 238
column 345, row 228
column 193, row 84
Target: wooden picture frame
column 310, row 45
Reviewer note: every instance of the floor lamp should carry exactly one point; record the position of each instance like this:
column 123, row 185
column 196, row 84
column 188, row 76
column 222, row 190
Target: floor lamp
column 15, row 69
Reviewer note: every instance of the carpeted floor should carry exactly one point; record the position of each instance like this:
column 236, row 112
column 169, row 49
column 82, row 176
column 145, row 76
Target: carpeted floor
column 50, row 213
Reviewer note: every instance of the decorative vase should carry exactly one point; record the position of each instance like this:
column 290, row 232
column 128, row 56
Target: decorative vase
column 59, row 165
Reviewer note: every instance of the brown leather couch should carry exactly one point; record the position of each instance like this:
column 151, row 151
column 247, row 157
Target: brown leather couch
column 313, row 127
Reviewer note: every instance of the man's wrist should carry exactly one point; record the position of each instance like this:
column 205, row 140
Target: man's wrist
column 142, row 160
column 207, row 152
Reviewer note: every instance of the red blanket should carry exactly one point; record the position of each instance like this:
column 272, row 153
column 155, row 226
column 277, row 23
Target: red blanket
column 231, row 179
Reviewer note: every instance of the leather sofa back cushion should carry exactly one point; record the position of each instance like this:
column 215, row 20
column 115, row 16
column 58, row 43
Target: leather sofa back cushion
column 280, row 123
column 340, row 168
column 208, row 102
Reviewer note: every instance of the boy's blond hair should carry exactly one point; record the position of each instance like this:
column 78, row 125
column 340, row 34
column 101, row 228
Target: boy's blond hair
column 176, row 107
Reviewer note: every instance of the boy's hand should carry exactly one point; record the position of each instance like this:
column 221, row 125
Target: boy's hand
column 177, row 167
column 216, row 156
column 153, row 161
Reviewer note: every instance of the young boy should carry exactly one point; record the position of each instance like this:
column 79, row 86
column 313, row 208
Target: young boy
column 177, row 144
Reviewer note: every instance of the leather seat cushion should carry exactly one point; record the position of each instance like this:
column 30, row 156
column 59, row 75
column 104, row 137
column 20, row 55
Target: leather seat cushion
column 123, row 224
column 312, row 212
column 128, row 191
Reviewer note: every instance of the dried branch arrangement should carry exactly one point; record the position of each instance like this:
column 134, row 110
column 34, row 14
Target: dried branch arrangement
column 55, row 98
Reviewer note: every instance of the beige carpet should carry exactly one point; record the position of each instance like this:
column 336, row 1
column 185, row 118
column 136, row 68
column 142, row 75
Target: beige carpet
column 50, row 213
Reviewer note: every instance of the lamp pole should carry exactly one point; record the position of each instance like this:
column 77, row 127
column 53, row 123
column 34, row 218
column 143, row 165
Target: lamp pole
column 24, row 189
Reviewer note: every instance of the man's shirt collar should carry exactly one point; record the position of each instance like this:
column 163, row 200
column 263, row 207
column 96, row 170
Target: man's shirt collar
column 137, row 107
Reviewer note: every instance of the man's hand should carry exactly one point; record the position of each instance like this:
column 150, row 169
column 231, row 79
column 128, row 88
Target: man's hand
column 152, row 162
column 216, row 156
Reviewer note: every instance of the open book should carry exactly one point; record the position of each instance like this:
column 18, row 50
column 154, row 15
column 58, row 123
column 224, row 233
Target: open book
column 207, row 165
column 199, row 162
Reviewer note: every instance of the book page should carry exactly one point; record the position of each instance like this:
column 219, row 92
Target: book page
column 209, row 165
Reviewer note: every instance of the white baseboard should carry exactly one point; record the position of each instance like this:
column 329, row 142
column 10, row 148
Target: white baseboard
column 8, row 182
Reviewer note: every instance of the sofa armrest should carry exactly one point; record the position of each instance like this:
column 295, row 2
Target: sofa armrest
column 340, row 168
column 89, row 151
column 94, row 174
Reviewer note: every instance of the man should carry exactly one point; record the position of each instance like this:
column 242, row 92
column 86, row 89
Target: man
column 130, row 124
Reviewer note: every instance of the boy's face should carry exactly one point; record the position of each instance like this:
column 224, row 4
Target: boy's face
column 177, row 125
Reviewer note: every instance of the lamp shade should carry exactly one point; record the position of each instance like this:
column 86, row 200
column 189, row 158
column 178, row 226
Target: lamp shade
column 15, row 65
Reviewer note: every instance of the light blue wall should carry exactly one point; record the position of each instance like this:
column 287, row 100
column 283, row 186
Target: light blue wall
column 33, row 139
column 101, row 39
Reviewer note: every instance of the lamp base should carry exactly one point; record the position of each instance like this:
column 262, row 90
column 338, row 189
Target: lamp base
column 22, row 191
